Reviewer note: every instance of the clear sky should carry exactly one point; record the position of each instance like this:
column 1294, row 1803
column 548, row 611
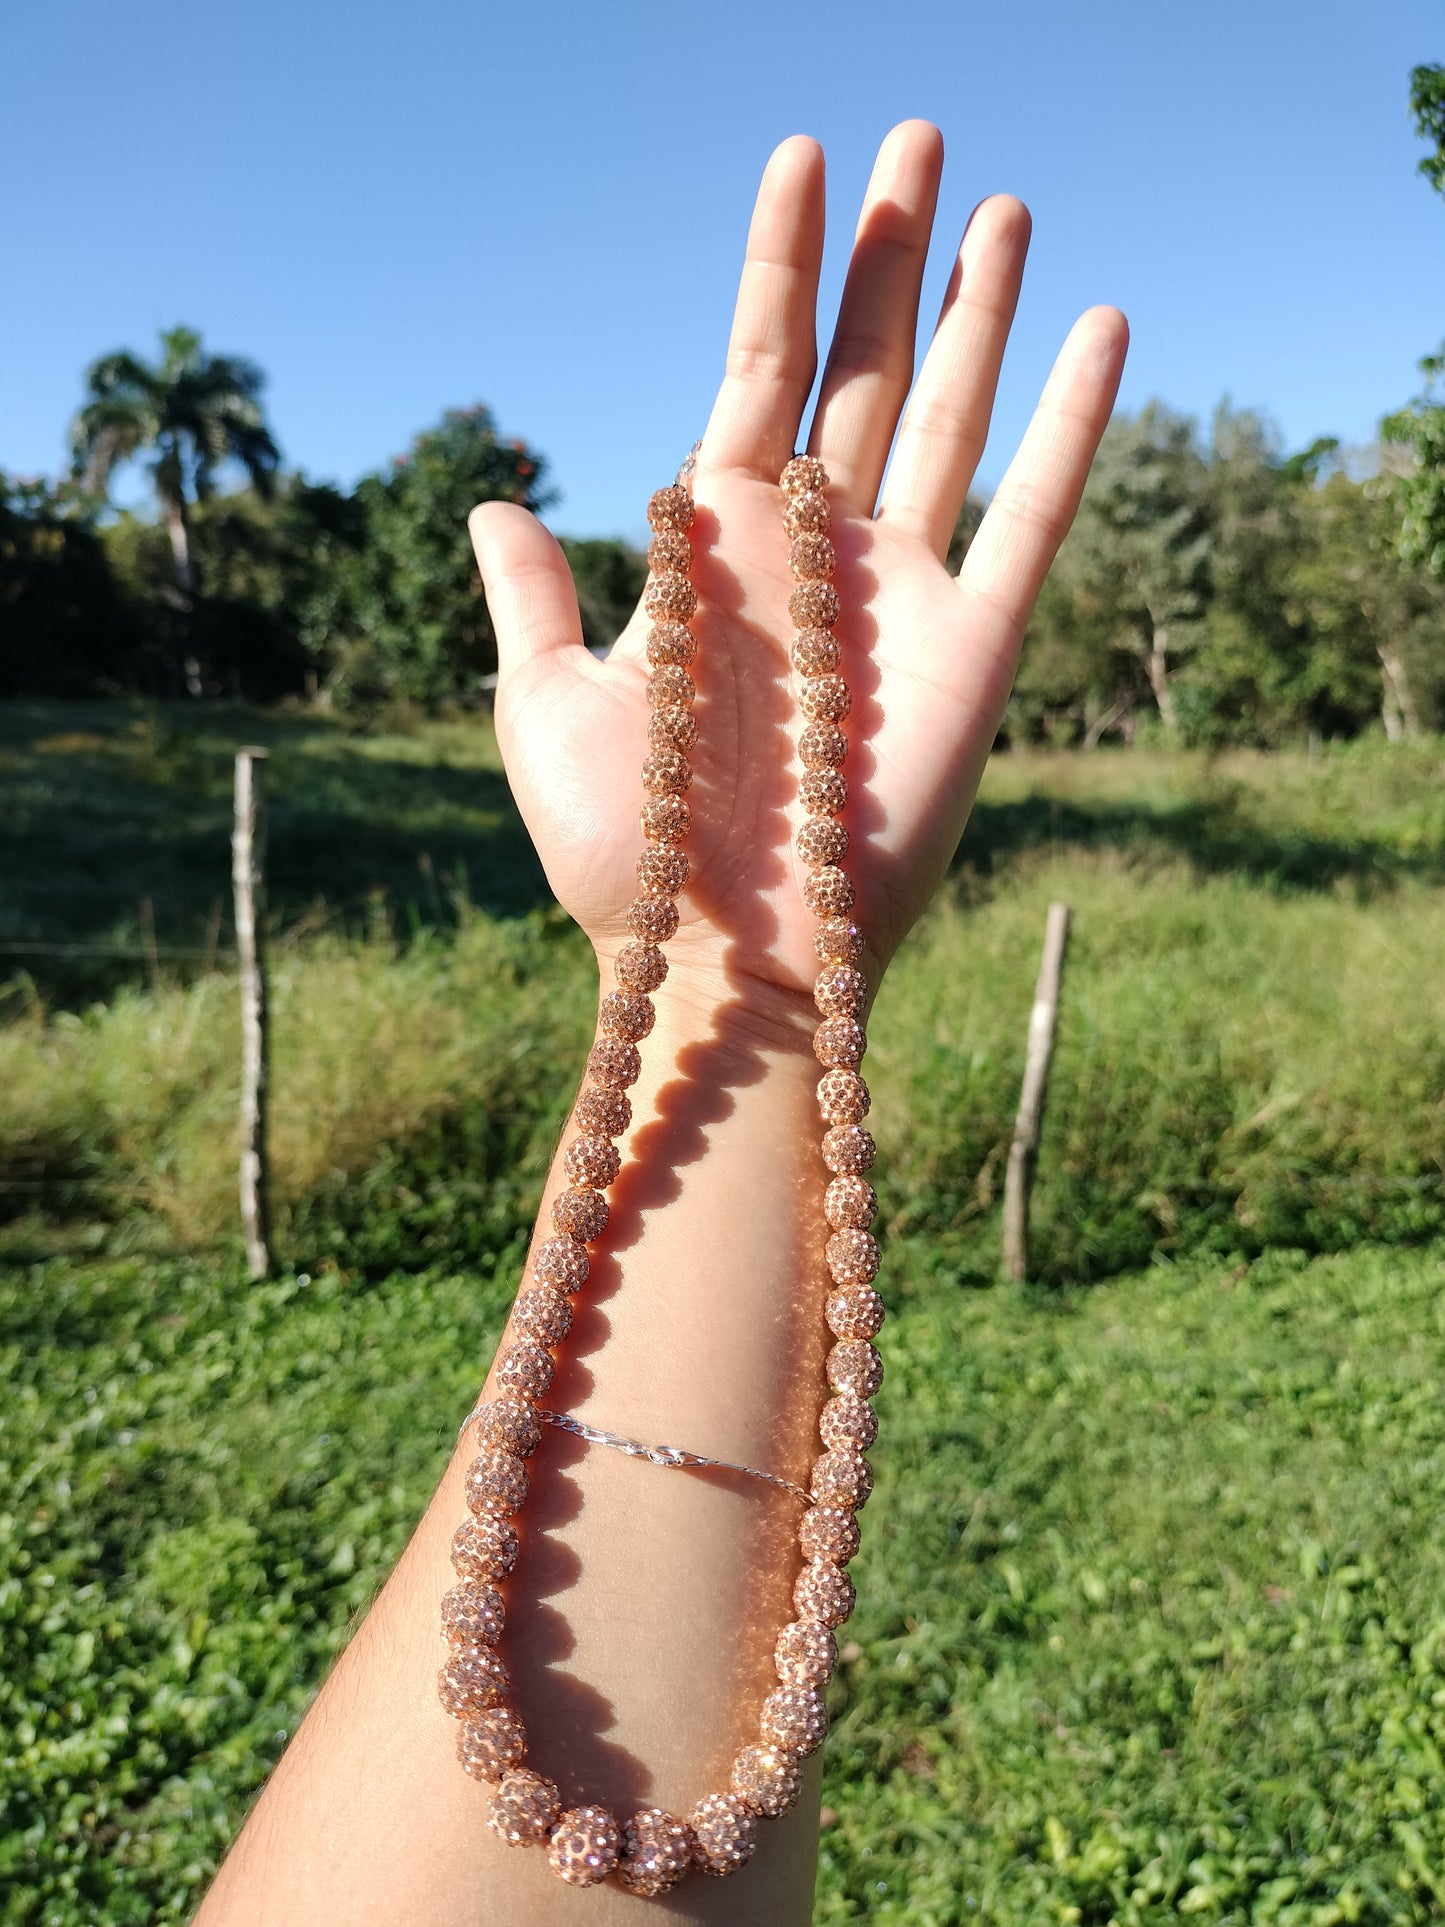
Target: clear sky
column 398, row 208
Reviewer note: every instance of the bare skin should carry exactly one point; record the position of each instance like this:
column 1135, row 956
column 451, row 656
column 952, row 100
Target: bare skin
column 642, row 1615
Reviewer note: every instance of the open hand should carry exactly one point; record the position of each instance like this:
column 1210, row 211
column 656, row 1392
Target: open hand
column 930, row 659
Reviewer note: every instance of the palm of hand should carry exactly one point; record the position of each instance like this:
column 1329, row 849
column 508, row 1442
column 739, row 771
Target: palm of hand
column 574, row 732
column 929, row 660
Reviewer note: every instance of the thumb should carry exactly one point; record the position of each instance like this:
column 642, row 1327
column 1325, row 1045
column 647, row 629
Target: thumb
column 528, row 585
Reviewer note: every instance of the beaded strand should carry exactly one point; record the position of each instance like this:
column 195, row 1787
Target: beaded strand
column 656, row 1849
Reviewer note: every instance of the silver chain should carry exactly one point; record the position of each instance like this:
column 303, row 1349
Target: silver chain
column 665, row 1455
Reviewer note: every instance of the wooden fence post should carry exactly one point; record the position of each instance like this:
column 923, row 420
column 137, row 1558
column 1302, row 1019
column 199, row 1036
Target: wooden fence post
column 248, row 874
column 1043, row 1022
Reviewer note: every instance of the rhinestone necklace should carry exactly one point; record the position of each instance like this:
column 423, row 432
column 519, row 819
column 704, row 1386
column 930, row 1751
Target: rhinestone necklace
column 652, row 1851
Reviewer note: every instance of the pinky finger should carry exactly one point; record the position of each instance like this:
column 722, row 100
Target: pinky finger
column 1038, row 497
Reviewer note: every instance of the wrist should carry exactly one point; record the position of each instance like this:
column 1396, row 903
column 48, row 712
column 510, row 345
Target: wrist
column 705, row 999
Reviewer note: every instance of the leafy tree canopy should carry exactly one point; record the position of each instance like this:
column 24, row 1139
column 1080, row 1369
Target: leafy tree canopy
column 419, row 627
column 1420, row 427
column 192, row 411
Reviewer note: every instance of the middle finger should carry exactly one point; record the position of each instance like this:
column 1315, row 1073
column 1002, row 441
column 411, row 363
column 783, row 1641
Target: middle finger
column 870, row 364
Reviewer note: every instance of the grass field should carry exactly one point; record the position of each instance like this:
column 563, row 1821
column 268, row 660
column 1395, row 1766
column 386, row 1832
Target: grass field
column 1151, row 1620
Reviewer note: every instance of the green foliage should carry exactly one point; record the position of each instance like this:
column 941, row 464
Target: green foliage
column 419, row 627
column 1150, row 1622
column 1280, row 601
column 1420, row 492
column 1427, row 105
column 192, row 411
column 1251, row 1053
column 1139, row 562
column 1073, row 1692
column 610, row 578
column 1149, row 1618
column 104, row 805
column 63, row 625
column 1420, row 426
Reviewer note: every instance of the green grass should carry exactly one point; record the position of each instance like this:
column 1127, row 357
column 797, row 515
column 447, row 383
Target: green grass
column 107, row 806
column 1150, row 1619
column 1150, row 1622
column 1152, row 1614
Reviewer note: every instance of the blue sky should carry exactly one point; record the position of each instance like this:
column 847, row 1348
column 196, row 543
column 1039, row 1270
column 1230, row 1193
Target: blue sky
column 400, row 208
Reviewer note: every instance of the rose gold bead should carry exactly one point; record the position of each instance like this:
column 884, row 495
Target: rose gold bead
column 491, row 1743
column 815, row 652
column 601, row 1111
column 828, row 1532
column 670, row 683
column 824, row 1593
column 843, row 1098
column 611, row 1061
column 641, row 966
column 804, row 474
column 484, row 1548
column 839, row 990
column 584, row 1846
column 542, row 1314
column 825, row 699
column 670, row 508
column 666, row 772
column 670, row 595
column 854, row 1366
column 847, row 1423
column 669, row 549
column 666, row 820
column 805, row 1654
column 796, row 1718
column 855, row 1312
column 812, row 558
column 653, row 919
column 766, row 1780
column 472, row 1614
column 559, row 1261
column 657, row 1852
column 852, row 1257
column 837, row 940
column 822, row 746
column 472, row 1678
column 510, row 1423
column 670, row 642
column 663, row 872
column 821, row 841
column 814, row 605
column 807, row 514
column 592, row 1160
column 580, row 1213
column 839, row 1043
column 848, row 1149
column 827, row 892
column 524, row 1808
column 525, row 1370
column 627, row 1014
column 841, row 1478
column 496, row 1482
column 726, row 1833
column 850, row 1201
column 672, row 726
column 823, row 792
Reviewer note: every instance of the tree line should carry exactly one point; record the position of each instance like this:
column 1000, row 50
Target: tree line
column 281, row 586
column 1214, row 586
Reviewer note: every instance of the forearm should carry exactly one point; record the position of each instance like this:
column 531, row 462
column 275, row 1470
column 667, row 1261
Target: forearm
column 643, row 1610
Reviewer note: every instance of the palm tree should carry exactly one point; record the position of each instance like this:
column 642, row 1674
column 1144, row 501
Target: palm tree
column 193, row 409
